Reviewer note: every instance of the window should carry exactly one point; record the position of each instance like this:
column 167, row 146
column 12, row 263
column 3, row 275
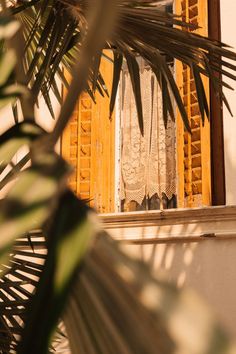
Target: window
column 94, row 145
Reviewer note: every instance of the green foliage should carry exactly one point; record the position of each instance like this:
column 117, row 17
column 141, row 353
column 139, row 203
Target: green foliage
column 38, row 196
column 14, row 138
column 69, row 237
column 28, row 204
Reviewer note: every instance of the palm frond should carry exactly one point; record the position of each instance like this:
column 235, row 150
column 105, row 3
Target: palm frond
column 19, row 277
column 54, row 30
column 120, row 290
column 110, row 294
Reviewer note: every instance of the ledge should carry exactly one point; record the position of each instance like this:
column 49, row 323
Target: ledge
column 174, row 225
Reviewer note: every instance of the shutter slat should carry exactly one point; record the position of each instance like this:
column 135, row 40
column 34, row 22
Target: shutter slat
column 88, row 144
column 193, row 151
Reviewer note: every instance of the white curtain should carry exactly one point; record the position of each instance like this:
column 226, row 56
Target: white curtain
column 148, row 163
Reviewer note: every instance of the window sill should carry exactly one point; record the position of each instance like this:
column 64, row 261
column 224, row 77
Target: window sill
column 172, row 226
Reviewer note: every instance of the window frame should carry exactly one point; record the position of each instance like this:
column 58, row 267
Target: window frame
column 216, row 118
column 216, row 131
column 218, row 187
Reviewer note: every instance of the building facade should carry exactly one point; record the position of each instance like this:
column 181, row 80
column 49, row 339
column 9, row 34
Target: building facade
column 194, row 244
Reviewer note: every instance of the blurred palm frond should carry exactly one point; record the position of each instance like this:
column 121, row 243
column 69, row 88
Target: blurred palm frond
column 54, row 31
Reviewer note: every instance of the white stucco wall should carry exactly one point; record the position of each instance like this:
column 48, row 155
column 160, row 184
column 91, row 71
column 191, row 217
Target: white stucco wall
column 228, row 25
column 193, row 248
column 42, row 114
column 208, row 268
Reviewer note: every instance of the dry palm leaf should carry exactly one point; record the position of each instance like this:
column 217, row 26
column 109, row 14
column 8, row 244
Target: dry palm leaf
column 54, row 29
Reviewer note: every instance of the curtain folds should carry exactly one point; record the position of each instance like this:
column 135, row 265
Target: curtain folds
column 148, row 163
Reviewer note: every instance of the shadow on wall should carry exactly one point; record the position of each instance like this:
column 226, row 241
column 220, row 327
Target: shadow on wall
column 230, row 161
column 207, row 266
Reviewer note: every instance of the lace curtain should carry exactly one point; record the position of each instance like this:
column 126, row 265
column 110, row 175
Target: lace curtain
column 148, row 163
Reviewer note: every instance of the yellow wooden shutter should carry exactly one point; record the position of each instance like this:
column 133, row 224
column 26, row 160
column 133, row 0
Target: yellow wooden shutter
column 88, row 144
column 193, row 151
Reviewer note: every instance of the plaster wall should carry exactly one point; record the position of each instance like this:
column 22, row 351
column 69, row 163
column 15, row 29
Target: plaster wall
column 193, row 248
column 42, row 115
column 207, row 267
column 228, row 10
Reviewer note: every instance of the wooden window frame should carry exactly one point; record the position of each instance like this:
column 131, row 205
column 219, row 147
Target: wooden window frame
column 217, row 182
column 216, row 118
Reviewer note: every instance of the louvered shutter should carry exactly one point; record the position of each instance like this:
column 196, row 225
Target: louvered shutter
column 193, row 151
column 88, row 144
